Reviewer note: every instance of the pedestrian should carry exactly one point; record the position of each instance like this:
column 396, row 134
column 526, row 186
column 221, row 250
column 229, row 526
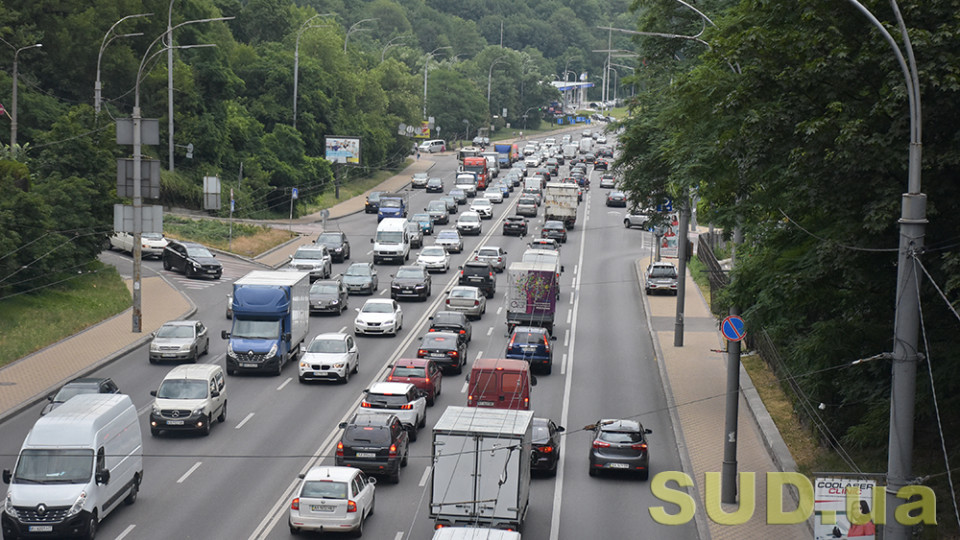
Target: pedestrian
column 418, row 154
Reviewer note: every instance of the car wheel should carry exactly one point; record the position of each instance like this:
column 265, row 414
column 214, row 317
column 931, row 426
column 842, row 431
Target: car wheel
column 205, row 430
column 346, row 377
column 548, row 369
column 459, row 369
column 644, row 474
column 154, row 432
column 423, row 421
column 279, row 369
column 134, row 490
column 593, row 472
column 403, row 462
column 223, row 413
column 413, row 435
column 92, row 527
column 347, row 255
column 196, row 357
column 166, row 264
column 301, row 379
column 206, row 348
column 293, row 530
column 431, row 399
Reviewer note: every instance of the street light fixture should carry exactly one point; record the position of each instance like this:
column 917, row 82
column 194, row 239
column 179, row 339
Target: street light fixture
column 355, row 29
column 390, row 44
column 425, row 63
column 13, row 111
column 296, row 58
column 467, row 122
column 97, row 87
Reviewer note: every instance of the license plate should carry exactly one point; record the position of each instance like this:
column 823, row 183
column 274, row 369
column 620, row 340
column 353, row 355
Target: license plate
column 211, row 271
column 366, row 454
column 169, row 355
column 407, row 291
column 619, row 466
column 248, row 365
column 485, row 403
column 40, row 528
column 321, row 508
column 474, row 279
column 174, row 422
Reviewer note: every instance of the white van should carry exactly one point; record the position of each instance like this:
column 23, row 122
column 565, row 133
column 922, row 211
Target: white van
column 190, row 397
column 435, row 145
column 77, row 464
column 471, row 533
column 392, row 242
column 586, row 145
column 493, row 163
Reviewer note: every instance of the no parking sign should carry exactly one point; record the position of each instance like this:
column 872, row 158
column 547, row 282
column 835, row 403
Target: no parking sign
column 733, row 328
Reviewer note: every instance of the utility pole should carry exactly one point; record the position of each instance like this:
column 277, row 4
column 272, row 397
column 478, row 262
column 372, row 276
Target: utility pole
column 728, row 471
column 682, row 271
column 169, row 45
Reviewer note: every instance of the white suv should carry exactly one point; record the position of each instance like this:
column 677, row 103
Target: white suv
column 402, row 399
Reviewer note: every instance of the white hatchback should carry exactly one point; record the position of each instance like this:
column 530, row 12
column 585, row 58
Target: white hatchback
column 332, row 356
column 332, row 499
column 494, row 195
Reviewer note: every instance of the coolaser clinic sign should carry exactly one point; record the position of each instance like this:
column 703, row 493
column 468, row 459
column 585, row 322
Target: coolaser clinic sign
column 342, row 149
column 834, row 517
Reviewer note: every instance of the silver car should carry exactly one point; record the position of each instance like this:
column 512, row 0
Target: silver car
column 494, row 255
column 661, row 276
column 467, row 300
column 314, row 259
column 450, row 240
column 179, row 340
column 419, row 180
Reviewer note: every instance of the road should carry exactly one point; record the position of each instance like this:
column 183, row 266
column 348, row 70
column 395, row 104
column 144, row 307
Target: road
column 237, row 483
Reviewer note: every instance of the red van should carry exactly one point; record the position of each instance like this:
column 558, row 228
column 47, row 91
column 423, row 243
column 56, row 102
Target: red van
column 500, row 384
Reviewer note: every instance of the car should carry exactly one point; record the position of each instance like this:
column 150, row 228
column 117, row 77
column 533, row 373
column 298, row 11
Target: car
column 589, row 158
column 452, row 321
column 337, row 245
column 554, row 229
column 515, row 226
column 331, row 356
column 361, row 277
column 580, row 168
column 459, row 195
column 617, row 198
column 193, row 259
column 552, row 166
column 481, row 141
column 467, row 182
column 434, row 258
column 619, row 445
column 504, row 186
column 424, row 220
column 661, row 276
column 608, row 181
column 374, row 443
column 495, row 255
column 313, row 259
column 479, row 274
column 452, row 206
column 419, row 180
column 405, row 400
column 372, row 204
column 423, row 373
column 450, row 240
column 466, row 299
column 532, row 161
column 415, row 232
column 531, row 343
column 601, row 139
column 545, row 256
column 435, row 145
column 179, row 340
column 411, row 281
column 544, row 243
column 545, row 446
column 605, row 151
column 600, row 163
column 329, row 296
column 586, row 133
column 444, row 348
column 332, row 498
column 469, row 223
column 438, row 212
column 636, row 218
column 391, row 206
column 527, row 206
column 189, row 398
column 513, row 178
column 494, row 195
column 483, row 207
column 434, row 185
column 378, row 316
column 80, row 385
column 151, row 244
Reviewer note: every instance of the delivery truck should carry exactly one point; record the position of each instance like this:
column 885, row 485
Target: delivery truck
column 481, row 468
column 503, row 155
column 560, row 201
column 532, row 291
column 271, row 318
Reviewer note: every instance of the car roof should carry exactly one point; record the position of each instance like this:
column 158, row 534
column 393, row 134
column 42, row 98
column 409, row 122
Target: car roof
column 374, row 420
column 448, row 335
column 412, row 362
column 470, row 288
column 484, row 264
column 396, row 388
column 448, row 315
column 663, row 263
column 330, row 335
column 531, row 330
column 192, row 371
column 87, row 381
column 191, row 322
column 614, row 424
column 338, row 474
column 378, row 301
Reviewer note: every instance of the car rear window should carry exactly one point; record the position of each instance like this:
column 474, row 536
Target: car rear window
column 409, row 371
column 475, row 270
column 434, row 341
column 621, row 437
column 541, row 435
column 322, row 489
column 663, row 272
column 385, row 401
column 523, row 338
column 487, row 252
column 360, row 435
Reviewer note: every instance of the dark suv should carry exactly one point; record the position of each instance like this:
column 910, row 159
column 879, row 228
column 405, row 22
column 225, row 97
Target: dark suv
column 481, row 275
column 375, row 444
column 192, row 259
column 532, row 343
column 337, row 245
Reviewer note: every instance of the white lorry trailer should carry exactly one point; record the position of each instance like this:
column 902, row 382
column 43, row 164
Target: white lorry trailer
column 560, row 201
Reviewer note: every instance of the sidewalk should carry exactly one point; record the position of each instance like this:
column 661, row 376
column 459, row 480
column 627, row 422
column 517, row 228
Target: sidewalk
column 695, row 378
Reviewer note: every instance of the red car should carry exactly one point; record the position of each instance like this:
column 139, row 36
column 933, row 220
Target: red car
column 423, row 373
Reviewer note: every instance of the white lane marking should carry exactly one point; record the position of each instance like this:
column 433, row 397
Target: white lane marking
column 479, row 354
column 399, row 536
column 370, row 252
column 286, row 382
column 576, row 267
column 499, row 309
column 383, row 292
column 563, row 364
column 189, row 472
column 489, row 330
column 343, row 329
column 464, row 389
column 566, row 337
column 569, row 315
column 425, row 477
column 244, row 421
column 125, row 532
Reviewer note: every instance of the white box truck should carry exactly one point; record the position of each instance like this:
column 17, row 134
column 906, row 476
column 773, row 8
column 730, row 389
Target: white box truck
column 77, row 464
column 481, row 468
column 560, row 202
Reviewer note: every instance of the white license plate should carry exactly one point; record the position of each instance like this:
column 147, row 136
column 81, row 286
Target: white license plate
column 485, row 403
column 174, row 422
column 248, row 365
column 619, row 466
column 407, row 291
column 366, row 454
column 40, row 528
column 169, row 355
column 321, row 508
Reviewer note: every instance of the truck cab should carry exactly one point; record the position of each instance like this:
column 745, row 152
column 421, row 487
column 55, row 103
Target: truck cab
column 478, row 166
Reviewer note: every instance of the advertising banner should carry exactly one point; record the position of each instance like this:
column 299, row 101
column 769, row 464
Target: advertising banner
column 342, row 149
column 669, row 245
column 831, row 518
column 423, row 132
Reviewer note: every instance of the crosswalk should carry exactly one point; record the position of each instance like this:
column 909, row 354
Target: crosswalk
column 232, row 270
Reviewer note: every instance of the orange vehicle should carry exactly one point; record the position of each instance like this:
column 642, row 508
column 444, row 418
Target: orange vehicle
column 500, row 384
column 478, row 166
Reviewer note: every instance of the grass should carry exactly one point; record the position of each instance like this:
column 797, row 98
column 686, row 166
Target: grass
column 247, row 240
column 30, row 322
column 352, row 188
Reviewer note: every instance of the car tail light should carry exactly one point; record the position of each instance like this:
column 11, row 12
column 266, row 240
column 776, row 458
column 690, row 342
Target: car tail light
column 462, row 331
column 407, row 407
column 432, row 330
column 546, row 449
column 453, row 353
column 295, row 505
column 499, row 259
column 421, row 352
column 476, row 258
column 364, row 404
column 340, row 449
column 491, row 274
column 447, row 301
column 512, row 339
column 639, row 446
column 351, row 507
column 393, row 450
column 601, row 444
column 389, row 377
column 476, row 302
column 526, row 403
column 428, row 380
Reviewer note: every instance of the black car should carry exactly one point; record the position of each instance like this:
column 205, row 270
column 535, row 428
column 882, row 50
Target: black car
column 434, row 185
column 82, row 385
column 452, row 321
column 193, row 259
column 444, row 348
column 515, row 226
column 605, row 151
column 337, row 245
column 617, row 198
column 599, row 164
column 412, row 281
column 479, row 274
column 545, row 446
column 459, row 195
column 619, row 445
column 589, row 158
column 554, row 229
column 452, row 204
column 375, row 444
column 329, row 296
column 372, row 206
column 532, row 344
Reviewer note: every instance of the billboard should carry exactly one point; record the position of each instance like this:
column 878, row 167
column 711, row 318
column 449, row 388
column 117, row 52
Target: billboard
column 831, row 518
column 423, row 132
column 342, row 149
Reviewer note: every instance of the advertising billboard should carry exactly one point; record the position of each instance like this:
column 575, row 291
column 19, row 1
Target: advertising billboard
column 342, row 149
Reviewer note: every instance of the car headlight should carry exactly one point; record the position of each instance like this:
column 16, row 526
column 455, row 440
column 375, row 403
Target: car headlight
column 230, row 348
column 8, row 507
column 154, row 347
column 272, row 351
column 198, row 412
column 195, row 264
column 421, row 286
column 78, row 505
column 338, row 365
column 185, row 347
column 156, row 410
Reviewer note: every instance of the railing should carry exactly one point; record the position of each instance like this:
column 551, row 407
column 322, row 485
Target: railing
column 715, row 273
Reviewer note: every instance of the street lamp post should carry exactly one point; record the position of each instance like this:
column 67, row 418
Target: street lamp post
column 296, row 59
column 425, row 63
column 389, row 45
column 169, row 46
column 13, row 110
column 97, row 87
column 355, row 29
column 467, row 122
column 490, row 78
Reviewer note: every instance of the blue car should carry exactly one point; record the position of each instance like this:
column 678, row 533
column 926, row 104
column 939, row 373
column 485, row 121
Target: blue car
column 425, row 221
column 532, row 344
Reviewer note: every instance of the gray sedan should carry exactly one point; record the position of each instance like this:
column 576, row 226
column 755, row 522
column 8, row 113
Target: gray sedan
column 467, row 300
column 179, row 340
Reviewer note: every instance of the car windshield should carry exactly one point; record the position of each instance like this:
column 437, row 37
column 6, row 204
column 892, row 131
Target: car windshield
column 364, row 435
column 437, row 206
column 198, row 251
column 329, row 239
column 377, row 307
column 183, row 389
column 151, row 236
column 529, row 201
column 553, row 225
column 457, row 193
column 386, row 401
column 389, row 203
column 409, row 371
column 409, row 272
column 175, row 331
column 488, row 252
column 622, row 437
column 433, row 341
column 421, row 217
column 433, row 251
column 663, row 272
column 358, row 270
column 389, row 237
column 463, row 293
column 467, row 218
column 524, row 338
column 54, row 466
column 481, row 202
column 462, row 180
column 374, row 197
column 255, row 329
column 309, row 254
column 448, row 235
column 324, row 489
column 327, row 346
column 323, row 288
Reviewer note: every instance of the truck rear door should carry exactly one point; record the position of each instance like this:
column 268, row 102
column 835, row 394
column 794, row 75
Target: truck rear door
column 499, row 477
column 454, row 468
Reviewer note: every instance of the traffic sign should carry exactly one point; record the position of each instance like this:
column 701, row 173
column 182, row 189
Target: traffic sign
column 295, row 194
column 733, row 328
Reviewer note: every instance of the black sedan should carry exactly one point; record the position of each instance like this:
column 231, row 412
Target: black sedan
column 329, row 295
column 554, row 229
column 92, row 385
column 452, row 321
column 372, row 205
column 337, row 245
column 412, row 281
column 617, row 198
column 444, row 348
column 546, row 446
column 600, row 163
column 619, row 445
column 515, row 226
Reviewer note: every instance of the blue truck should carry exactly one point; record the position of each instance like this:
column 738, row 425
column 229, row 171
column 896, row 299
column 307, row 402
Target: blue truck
column 503, row 155
column 271, row 318
column 392, row 206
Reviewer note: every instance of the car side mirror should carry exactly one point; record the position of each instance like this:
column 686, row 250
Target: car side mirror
column 6, row 476
column 553, row 338
column 287, row 336
column 356, row 309
column 301, row 476
column 214, row 393
column 290, row 257
column 467, row 378
column 648, row 431
column 153, row 393
column 224, row 334
column 342, row 425
column 371, row 240
column 102, row 477
column 560, row 429
column 561, row 268
column 50, row 398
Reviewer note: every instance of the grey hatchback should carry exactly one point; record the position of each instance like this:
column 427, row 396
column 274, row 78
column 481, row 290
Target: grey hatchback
column 619, row 445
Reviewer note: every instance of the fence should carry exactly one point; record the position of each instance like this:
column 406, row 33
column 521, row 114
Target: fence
column 716, row 275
